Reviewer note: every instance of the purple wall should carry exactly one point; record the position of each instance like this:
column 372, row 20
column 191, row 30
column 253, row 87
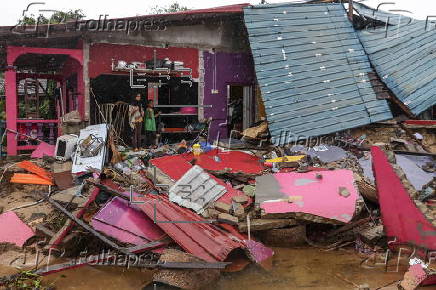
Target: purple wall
column 229, row 68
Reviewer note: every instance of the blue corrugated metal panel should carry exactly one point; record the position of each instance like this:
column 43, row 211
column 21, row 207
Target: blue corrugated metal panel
column 404, row 55
column 312, row 70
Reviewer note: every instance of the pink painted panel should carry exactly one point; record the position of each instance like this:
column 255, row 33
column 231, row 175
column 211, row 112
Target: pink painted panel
column 13, row 229
column 319, row 197
column 125, row 223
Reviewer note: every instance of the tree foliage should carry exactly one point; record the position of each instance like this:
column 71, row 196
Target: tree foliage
column 56, row 18
column 175, row 7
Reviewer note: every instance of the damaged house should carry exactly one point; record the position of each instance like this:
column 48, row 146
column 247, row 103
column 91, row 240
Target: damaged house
column 229, row 185
column 305, row 68
column 189, row 59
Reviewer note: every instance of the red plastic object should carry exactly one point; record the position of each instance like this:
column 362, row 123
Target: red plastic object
column 403, row 222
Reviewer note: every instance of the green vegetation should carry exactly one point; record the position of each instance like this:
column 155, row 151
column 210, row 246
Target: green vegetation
column 175, row 7
column 56, row 18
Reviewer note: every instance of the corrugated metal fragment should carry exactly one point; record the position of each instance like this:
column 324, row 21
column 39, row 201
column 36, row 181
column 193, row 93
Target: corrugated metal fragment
column 312, row 70
column 196, row 189
column 403, row 54
column 190, row 231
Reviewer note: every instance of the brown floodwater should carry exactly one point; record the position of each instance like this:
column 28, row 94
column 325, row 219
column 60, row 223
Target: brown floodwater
column 301, row 268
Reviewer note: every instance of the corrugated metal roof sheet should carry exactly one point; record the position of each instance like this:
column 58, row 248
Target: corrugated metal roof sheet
column 312, row 70
column 196, row 189
column 404, row 55
column 193, row 233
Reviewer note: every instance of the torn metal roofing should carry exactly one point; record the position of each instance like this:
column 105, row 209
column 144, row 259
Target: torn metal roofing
column 403, row 54
column 196, row 189
column 312, row 70
column 194, row 234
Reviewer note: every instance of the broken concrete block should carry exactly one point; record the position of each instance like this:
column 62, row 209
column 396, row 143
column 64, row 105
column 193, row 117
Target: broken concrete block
column 266, row 224
column 227, row 218
column 238, row 210
column 288, row 237
column 222, row 207
column 212, row 213
column 240, row 198
column 249, row 190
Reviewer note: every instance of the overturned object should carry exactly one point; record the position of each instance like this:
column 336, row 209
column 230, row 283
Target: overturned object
column 91, row 148
column 331, row 199
column 65, row 146
column 196, row 189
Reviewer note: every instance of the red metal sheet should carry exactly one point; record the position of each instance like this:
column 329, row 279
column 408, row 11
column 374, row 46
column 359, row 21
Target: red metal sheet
column 403, row 222
column 189, row 230
column 125, row 223
column 234, row 161
column 421, row 122
column 176, row 165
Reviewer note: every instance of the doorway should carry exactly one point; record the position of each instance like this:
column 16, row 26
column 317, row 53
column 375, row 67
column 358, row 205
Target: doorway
column 240, row 107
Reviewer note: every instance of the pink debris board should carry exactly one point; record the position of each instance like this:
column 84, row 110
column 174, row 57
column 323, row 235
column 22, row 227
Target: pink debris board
column 117, row 219
column 13, row 230
column 43, row 149
column 311, row 195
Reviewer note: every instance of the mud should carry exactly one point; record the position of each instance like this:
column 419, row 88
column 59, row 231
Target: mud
column 297, row 268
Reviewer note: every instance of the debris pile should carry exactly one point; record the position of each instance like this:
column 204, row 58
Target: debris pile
column 196, row 209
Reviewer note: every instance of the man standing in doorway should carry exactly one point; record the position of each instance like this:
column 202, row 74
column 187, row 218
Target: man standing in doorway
column 136, row 117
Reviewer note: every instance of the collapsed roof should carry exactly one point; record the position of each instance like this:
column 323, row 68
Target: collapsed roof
column 312, row 70
column 403, row 54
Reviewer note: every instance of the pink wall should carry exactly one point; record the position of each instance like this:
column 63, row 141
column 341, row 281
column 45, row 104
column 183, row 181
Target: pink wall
column 13, row 52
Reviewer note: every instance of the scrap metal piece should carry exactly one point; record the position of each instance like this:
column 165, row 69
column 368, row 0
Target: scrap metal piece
column 196, row 189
